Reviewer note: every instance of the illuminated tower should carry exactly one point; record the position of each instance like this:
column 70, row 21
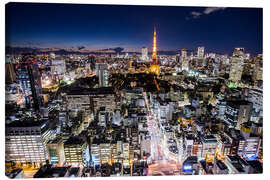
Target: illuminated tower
column 154, row 68
column 154, row 55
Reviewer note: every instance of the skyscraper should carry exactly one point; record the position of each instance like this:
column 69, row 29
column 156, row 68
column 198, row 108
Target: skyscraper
column 103, row 74
column 183, row 53
column 10, row 73
column 30, row 81
column 237, row 65
column 144, row 54
column 200, row 52
column 26, row 142
column 237, row 112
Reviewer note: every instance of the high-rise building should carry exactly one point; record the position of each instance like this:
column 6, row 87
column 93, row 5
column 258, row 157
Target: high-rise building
column 126, row 154
column 103, row 117
column 76, row 151
column 30, row 81
column 200, row 52
column 185, row 64
column 237, row 112
column 237, row 65
column 209, row 144
column 92, row 61
column 251, row 146
column 102, row 73
column 256, row 97
column 95, row 154
column 55, row 151
column 105, row 153
column 144, row 54
column 58, row 67
column 183, row 53
column 26, row 142
column 10, row 73
column 90, row 100
column 258, row 70
column 189, row 140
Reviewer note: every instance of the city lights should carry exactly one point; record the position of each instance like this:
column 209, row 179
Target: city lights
column 163, row 105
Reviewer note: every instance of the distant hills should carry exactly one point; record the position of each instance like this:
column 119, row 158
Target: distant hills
column 79, row 50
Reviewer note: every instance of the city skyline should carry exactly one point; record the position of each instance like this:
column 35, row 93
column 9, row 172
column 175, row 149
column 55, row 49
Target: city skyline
column 106, row 26
column 73, row 112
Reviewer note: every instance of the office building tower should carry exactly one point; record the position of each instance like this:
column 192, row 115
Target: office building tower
column 92, row 60
column 10, row 73
column 30, row 83
column 125, row 154
column 90, row 100
column 185, row 64
column 102, row 73
column 200, row 52
column 144, row 54
column 105, row 153
column 183, row 53
column 55, row 151
column 237, row 112
column 95, row 154
column 76, row 151
column 58, row 67
column 103, row 117
column 256, row 97
column 178, row 58
column 258, row 69
column 251, row 146
column 223, row 147
column 209, row 144
column 26, row 142
column 189, row 141
column 237, row 65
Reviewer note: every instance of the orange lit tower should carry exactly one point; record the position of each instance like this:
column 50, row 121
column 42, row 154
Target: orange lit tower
column 154, row 68
column 154, row 55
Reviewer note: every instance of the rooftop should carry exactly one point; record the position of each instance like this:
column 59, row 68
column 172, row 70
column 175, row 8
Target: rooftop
column 30, row 122
column 90, row 91
column 221, row 165
column 47, row 171
column 74, row 140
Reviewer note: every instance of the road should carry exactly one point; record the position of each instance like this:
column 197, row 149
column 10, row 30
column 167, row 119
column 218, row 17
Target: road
column 163, row 164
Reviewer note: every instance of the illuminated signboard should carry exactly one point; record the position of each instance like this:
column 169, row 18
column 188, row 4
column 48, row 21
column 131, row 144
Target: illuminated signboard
column 187, row 168
column 251, row 156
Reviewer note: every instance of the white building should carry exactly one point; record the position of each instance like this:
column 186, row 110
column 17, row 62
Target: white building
column 58, row 67
column 144, row 54
column 95, row 154
column 102, row 73
column 200, row 52
column 105, row 153
column 237, row 65
column 183, row 54
column 256, row 97
column 26, row 142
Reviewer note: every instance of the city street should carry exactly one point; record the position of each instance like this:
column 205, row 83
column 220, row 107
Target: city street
column 162, row 165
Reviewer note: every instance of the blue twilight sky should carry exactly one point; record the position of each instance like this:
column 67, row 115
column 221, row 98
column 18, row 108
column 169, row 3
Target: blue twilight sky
column 131, row 27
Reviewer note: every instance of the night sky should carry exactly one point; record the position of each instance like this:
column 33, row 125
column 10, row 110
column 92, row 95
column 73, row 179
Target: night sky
column 131, row 27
